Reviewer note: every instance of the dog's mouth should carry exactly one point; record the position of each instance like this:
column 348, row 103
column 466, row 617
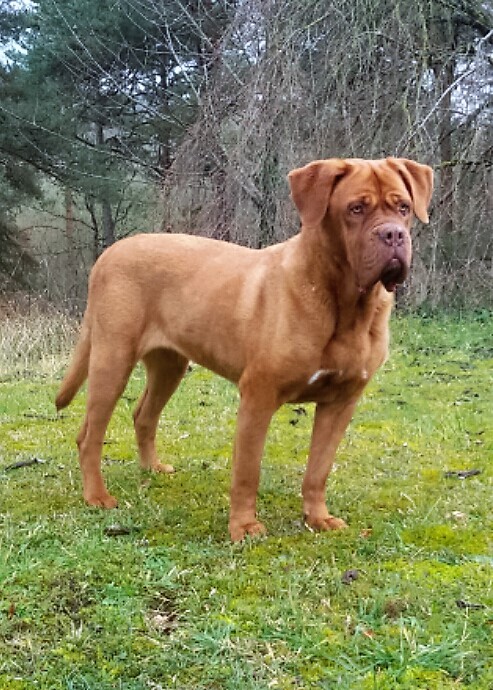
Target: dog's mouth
column 393, row 274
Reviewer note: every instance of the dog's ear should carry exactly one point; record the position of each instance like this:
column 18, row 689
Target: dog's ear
column 418, row 179
column 311, row 188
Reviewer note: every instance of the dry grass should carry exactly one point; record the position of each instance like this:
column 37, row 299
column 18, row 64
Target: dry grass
column 35, row 339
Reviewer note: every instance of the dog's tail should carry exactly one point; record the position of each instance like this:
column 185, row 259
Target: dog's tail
column 77, row 371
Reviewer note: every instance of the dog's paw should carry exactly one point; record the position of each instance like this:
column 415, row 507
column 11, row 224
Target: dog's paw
column 102, row 500
column 163, row 467
column 324, row 524
column 251, row 529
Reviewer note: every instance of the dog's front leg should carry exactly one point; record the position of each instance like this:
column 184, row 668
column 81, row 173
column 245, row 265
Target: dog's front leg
column 254, row 415
column 329, row 426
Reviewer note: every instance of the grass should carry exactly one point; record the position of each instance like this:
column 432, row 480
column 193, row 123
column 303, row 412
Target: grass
column 170, row 603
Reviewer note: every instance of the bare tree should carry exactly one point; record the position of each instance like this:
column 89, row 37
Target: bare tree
column 303, row 80
column 209, row 103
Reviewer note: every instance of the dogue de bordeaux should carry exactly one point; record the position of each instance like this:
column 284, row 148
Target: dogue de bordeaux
column 305, row 320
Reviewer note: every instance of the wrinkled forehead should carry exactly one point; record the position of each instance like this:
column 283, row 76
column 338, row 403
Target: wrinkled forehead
column 370, row 178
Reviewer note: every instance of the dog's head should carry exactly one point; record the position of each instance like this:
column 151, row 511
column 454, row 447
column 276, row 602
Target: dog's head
column 366, row 209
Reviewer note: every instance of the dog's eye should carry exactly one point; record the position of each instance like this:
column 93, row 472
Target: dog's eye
column 357, row 209
column 404, row 208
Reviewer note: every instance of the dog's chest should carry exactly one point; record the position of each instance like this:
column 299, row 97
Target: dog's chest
column 346, row 365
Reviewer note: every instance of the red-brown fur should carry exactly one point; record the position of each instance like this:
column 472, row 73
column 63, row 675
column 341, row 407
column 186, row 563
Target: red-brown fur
column 304, row 320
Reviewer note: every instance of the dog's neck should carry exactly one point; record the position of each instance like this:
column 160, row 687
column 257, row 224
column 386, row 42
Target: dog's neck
column 334, row 280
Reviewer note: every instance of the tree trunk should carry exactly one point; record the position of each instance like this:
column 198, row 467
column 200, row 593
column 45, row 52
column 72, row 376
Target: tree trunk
column 71, row 265
column 164, row 152
column 446, row 149
column 108, row 224
column 269, row 176
column 443, row 36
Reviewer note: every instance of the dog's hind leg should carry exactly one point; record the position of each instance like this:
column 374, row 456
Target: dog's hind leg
column 109, row 370
column 165, row 369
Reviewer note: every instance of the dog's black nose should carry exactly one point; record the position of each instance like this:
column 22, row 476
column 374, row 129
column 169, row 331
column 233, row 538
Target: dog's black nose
column 392, row 235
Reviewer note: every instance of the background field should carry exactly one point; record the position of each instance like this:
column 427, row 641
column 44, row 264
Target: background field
column 170, row 603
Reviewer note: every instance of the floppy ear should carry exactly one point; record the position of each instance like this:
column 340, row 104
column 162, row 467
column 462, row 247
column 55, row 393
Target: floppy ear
column 311, row 188
column 419, row 182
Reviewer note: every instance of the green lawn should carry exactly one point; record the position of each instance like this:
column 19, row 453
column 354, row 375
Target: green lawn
column 170, row 603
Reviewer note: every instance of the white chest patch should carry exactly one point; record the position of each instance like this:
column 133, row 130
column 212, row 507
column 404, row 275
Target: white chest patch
column 321, row 373
column 325, row 373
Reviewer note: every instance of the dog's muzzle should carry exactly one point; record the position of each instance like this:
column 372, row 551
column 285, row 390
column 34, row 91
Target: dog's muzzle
column 396, row 254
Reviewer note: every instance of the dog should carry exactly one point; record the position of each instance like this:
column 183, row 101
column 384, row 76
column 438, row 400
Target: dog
column 305, row 320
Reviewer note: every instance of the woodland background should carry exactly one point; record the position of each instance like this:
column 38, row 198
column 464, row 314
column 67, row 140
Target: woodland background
column 119, row 116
